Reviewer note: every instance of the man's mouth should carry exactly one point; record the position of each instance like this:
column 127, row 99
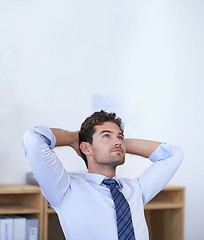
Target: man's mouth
column 119, row 150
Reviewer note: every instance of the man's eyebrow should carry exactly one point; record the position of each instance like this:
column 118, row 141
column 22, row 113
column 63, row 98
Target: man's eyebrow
column 106, row 131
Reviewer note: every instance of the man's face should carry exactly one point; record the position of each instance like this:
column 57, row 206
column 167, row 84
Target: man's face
column 108, row 147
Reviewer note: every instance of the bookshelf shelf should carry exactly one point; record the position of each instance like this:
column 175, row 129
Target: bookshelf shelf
column 50, row 210
column 18, row 189
column 17, row 209
column 161, row 205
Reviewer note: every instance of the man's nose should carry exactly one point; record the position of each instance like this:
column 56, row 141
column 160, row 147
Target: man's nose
column 117, row 143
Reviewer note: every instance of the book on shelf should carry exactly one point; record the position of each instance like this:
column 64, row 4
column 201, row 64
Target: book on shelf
column 19, row 227
column 6, row 228
column 32, row 228
column 15, row 227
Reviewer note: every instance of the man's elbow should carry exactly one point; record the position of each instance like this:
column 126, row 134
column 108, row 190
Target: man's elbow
column 179, row 155
column 29, row 139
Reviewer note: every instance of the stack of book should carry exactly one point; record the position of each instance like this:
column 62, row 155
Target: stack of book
column 15, row 227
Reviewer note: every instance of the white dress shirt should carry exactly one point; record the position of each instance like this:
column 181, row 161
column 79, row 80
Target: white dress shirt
column 84, row 206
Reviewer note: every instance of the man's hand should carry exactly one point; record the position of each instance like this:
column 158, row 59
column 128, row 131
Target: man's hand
column 75, row 143
column 67, row 138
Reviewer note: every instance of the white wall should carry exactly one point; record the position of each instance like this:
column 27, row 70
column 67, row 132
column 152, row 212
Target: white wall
column 55, row 54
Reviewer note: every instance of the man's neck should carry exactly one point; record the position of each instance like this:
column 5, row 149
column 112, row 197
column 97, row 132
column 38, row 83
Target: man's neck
column 109, row 173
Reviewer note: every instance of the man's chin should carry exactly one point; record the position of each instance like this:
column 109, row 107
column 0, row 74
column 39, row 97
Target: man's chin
column 119, row 162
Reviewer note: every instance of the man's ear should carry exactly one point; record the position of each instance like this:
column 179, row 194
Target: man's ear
column 85, row 148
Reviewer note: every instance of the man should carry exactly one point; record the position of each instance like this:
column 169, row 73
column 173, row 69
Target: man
column 88, row 208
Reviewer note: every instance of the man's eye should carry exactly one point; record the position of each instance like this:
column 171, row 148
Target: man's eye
column 121, row 137
column 106, row 135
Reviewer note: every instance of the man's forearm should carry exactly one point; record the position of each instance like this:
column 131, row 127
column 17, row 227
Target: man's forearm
column 139, row 147
column 65, row 138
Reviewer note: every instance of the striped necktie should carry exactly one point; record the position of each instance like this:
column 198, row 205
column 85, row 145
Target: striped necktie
column 124, row 220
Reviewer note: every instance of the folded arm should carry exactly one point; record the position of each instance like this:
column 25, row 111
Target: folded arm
column 48, row 170
column 166, row 160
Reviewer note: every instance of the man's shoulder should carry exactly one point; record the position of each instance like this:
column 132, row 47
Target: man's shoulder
column 128, row 181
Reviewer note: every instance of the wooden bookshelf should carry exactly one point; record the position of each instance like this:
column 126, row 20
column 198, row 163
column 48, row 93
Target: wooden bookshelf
column 23, row 200
column 164, row 215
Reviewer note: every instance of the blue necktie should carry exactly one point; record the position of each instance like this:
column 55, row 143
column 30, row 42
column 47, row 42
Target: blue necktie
column 124, row 220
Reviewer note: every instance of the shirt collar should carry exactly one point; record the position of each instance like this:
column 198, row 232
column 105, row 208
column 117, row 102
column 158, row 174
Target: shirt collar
column 98, row 179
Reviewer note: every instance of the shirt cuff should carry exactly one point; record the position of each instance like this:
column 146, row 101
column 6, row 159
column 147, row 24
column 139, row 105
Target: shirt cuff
column 162, row 152
column 47, row 135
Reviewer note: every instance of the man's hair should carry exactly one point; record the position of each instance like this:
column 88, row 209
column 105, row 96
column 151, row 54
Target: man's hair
column 88, row 127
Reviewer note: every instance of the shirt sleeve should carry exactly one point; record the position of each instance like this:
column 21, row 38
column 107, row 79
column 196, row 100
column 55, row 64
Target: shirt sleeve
column 38, row 145
column 166, row 160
